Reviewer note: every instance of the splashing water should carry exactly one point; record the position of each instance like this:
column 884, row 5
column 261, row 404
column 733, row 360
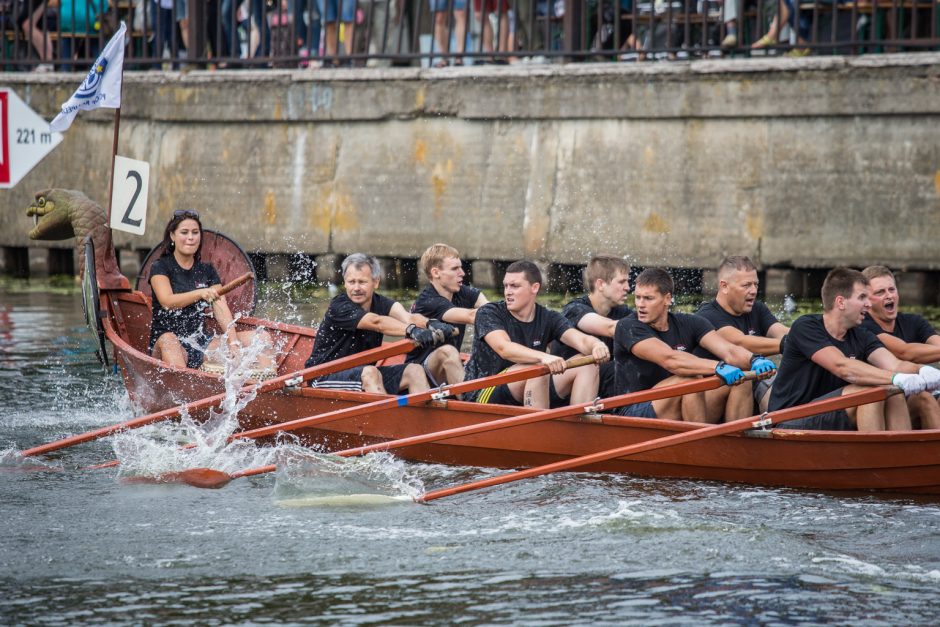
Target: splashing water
column 170, row 447
column 11, row 460
column 307, row 478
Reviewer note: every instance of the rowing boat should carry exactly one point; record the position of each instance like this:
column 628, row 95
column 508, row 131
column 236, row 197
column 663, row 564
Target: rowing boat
column 900, row 462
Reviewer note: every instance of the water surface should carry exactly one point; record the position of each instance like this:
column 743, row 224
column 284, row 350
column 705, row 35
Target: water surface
column 81, row 547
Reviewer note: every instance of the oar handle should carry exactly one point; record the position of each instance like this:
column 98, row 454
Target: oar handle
column 231, row 285
column 580, row 360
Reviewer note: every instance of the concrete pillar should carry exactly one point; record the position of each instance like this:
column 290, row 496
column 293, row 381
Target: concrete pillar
column 485, row 274
column 545, row 267
column 16, row 261
column 130, row 263
column 782, row 281
column 38, row 262
column 328, row 268
column 278, row 267
column 709, row 283
column 917, row 288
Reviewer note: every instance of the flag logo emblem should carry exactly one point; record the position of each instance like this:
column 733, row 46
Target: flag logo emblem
column 91, row 83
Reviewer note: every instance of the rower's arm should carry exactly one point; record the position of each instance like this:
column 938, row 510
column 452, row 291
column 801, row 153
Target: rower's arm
column 677, row 362
column 163, row 292
column 913, row 351
column 499, row 341
column 757, row 344
column 464, row 315
column 880, row 371
column 596, row 324
column 398, row 312
column 386, row 325
column 716, row 344
column 586, row 345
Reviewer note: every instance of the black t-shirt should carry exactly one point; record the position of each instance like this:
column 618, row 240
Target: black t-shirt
column 910, row 328
column 188, row 320
column 800, row 379
column 633, row 373
column 337, row 335
column 432, row 305
column 577, row 309
column 756, row 322
column 547, row 326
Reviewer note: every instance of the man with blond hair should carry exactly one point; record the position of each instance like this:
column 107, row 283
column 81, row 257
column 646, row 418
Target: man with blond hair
column 830, row 354
column 743, row 320
column 607, row 280
column 445, row 298
column 908, row 336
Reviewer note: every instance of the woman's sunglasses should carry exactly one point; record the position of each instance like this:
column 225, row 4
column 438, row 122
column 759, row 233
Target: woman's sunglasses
column 186, row 213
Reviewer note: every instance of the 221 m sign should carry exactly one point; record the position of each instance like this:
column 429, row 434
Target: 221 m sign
column 25, row 138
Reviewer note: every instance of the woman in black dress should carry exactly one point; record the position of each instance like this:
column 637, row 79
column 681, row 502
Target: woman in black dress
column 185, row 292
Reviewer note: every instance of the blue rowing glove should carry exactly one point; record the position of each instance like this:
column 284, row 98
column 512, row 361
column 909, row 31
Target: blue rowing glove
column 728, row 373
column 762, row 365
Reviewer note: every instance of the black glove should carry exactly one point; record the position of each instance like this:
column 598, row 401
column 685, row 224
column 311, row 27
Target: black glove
column 442, row 330
column 423, row 337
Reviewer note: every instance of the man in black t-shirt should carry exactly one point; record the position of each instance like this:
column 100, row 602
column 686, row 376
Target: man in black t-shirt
column 607, row 279
column 357, row 321
column 445, row 298
column 516, row 332
column 908, row 336
column 654, row 348
column 743, row 320
column 824, row 352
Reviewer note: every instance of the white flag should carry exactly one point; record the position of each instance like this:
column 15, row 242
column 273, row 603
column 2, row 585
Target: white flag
column 102, row 86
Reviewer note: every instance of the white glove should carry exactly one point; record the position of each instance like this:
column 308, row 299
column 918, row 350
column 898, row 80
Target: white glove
column 932, row 376
column 910, row 384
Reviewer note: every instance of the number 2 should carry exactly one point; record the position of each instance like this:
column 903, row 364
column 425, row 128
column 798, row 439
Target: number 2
column 127, row 214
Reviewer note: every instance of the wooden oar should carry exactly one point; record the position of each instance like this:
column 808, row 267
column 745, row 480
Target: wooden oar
column 210, row 478
column 231, row 285
column 204, row 477
column 863, row 397
column 295, row 378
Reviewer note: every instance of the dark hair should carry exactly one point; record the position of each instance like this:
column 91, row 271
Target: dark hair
column 658, row 278
column 528, row 269
column 840, row 282
column 179, row 216
column 605, row 268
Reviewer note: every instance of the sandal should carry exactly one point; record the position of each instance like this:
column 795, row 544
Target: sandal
column 440, row 63
column 765, row 41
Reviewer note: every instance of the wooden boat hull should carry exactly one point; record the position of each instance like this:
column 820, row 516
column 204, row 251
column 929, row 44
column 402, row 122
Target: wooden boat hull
column 907, row 462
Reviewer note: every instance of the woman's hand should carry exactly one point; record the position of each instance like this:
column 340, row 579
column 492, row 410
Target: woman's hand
column 210, row 294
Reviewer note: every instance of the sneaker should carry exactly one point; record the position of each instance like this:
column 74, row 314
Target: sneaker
column 42, row 68
column 730, row 41
column 798, row 52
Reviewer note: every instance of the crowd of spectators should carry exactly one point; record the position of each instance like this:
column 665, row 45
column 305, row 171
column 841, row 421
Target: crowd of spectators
column 47, row 34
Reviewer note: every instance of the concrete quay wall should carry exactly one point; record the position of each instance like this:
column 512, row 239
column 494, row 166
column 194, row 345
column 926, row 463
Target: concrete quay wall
column 799, row 163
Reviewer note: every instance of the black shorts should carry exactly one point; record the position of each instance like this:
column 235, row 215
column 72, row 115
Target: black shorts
column 195, row 347
column 829, row 421
column 351, row 379
column 501, row 395
column 637, row 410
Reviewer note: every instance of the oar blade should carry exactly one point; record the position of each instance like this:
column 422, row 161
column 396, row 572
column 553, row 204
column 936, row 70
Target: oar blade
column 205, row 478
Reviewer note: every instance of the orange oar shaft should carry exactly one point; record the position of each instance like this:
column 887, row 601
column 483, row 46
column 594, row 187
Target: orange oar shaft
column 654, row 394
column 700, row 385
column 816, row 407
column 366, row 357
column 417, row 398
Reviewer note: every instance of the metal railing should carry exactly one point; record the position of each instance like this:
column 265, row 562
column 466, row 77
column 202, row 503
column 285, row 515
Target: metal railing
column 171, row 34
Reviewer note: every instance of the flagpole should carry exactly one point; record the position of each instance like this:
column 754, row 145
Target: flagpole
column 114, row 147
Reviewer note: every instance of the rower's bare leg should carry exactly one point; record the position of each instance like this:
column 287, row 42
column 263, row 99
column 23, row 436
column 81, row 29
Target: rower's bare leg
column 740, row 401
column 578, row 385
column 168, row 348
column 674, row 408
column 693, row 407
column 925, row 411
column 445, row 365
column 266, row 356
column 715, row 402
column 372, row 380
column 413, row 379
column 897, row 416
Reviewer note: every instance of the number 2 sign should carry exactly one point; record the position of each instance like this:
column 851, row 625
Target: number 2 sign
column 129, row 195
